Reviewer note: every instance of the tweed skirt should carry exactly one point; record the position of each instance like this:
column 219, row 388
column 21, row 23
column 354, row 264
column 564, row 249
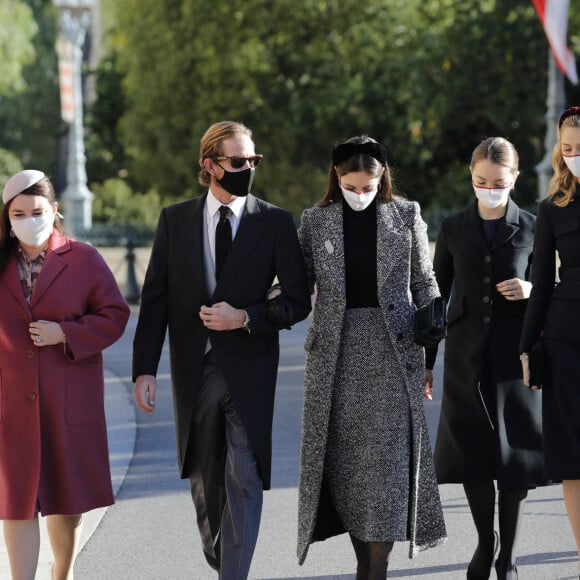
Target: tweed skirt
column 368, row 454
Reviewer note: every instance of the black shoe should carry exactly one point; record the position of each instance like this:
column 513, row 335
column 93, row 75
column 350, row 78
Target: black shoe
column 506, row 572
column 473, row 573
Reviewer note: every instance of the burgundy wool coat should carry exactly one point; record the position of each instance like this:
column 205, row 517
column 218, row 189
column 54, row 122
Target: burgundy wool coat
column 53, row 439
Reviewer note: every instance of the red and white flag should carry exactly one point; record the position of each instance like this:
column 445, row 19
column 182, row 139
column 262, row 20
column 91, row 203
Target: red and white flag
column 554, row 17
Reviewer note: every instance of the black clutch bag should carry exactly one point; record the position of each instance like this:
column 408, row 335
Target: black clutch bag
column 431, row 323
column 536, row 364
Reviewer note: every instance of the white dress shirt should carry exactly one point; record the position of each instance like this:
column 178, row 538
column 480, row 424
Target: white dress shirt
column 212, row 217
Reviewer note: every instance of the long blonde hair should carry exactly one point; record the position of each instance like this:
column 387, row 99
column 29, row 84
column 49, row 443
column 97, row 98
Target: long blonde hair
column 562, row 185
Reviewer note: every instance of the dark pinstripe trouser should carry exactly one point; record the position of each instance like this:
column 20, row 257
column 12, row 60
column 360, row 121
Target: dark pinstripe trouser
column 228, row 501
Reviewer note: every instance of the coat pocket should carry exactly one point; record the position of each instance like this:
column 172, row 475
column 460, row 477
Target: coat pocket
column 84, row 402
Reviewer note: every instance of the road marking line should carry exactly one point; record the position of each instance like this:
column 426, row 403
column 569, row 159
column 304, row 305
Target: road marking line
column 167, row 376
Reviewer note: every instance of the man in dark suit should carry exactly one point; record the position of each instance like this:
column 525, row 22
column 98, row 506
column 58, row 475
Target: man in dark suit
column 213, row 261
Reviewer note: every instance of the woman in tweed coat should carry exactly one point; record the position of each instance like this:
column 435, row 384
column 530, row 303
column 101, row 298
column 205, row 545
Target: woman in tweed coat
column 366, row 464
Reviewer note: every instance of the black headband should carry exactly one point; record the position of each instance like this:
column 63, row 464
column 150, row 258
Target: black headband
column 568, row 113
column 345, row 151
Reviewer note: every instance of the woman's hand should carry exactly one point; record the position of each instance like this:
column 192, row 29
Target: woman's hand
column 526, row 371
column 525, row 368
column 46, row 333
column 428, row 392
column 514, row 289
column 274, row 291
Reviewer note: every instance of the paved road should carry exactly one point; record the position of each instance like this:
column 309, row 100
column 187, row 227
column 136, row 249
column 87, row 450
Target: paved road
column 150, row 533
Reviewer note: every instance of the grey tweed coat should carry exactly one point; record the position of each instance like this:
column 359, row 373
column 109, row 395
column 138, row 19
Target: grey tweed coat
column 405, row 282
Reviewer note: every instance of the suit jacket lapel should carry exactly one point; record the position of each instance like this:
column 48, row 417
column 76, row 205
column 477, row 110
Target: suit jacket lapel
column 390, row 229
column 472, row 228
column 331, row 238
column 11, row 279
column 248, row 236
column 508, row 227
column 52, row 266
column 193, row 237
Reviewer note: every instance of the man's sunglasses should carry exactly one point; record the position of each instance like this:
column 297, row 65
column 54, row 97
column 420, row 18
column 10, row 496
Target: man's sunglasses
column 239, row 162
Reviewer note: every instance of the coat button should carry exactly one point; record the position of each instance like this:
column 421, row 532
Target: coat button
column 487, row 259
column 391, row 307
column 486, row 279
column 486, row 299
column 400, row 336
column 30, row 354
column 486, row 319
column 32, row 396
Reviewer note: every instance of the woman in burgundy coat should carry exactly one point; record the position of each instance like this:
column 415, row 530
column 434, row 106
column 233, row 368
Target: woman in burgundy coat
column 60, row 308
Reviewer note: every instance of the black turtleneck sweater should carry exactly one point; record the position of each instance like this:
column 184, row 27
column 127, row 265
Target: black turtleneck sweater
column 360, row 256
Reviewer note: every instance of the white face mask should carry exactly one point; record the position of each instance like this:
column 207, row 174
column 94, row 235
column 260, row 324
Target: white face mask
column 34, row 231
column 492, row 197
column 573, row 163
column 358, row 201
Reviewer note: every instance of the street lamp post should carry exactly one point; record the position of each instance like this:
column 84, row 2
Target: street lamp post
column 555, row 102
column 75, row 19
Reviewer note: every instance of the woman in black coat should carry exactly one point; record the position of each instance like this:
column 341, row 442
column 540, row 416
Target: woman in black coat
column 554, row 313
column 490, row 426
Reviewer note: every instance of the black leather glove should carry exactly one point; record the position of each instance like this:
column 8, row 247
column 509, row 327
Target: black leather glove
column 279, row 311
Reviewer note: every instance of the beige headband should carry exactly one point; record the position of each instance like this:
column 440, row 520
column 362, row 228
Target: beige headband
column 19, row 182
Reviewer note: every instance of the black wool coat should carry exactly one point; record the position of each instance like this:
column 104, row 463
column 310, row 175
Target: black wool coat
column 266, row 245
column 554, row 309
column 490, row 423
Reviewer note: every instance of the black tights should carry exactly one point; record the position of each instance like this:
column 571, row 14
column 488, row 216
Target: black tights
column 372, row 559
column 511, row 502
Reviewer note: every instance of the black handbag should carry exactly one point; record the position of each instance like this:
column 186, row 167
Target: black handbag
column 431, row 323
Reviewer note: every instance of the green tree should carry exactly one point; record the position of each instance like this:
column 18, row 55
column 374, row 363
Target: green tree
column 9, row 165
column 300, row 76
column 16, row 49
column 476, row 74
column 115, row 202
column 30, row 124
column 106, row 156
column 429, row 78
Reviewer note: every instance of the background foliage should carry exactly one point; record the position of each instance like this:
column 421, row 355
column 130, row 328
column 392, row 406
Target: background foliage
column 428, row 78
column 15, row 44
column 30, row 125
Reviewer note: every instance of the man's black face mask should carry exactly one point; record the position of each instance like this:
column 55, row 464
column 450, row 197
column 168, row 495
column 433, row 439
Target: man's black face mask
column 237, row 183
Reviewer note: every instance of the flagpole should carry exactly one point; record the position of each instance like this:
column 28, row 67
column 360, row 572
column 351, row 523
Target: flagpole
column 555, row 103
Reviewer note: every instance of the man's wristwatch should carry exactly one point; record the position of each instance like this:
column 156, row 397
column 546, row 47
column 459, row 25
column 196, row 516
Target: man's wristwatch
column 246, row 325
